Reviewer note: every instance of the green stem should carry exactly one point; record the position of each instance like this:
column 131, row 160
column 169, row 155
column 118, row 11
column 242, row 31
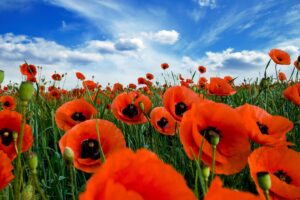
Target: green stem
column 265, row 74
column 100, row 146
column 214, row 149
column 266, row 193
column 72, row 182
column 276, row 73
column 37, row 186
column 292, row 74
column 19, row 168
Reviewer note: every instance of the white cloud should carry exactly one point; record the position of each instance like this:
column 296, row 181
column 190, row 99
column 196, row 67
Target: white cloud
column 208, row 3
column 163, row 36
column 100, row 46
column 133, row 44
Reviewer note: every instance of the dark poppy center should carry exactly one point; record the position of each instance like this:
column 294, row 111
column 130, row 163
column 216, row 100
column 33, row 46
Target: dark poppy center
column 6, row 136
column 130, row 111
column 90, row 149
column 6, row 103
column 282, row 175
column 298, row 59
column 263, row 128
column 162, row 122
column 209, row 132
column 78, row 116
column 180, row 108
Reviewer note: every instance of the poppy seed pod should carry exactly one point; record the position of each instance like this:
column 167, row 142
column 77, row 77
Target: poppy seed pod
column 68, row 156
column 264, row 180
column 206, row 172
column 26, row 91
column 33, row 162
column 1, row 76
column 214, row 138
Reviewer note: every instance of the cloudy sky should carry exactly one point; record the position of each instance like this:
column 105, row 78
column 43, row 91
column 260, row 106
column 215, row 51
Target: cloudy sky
column 120, row 40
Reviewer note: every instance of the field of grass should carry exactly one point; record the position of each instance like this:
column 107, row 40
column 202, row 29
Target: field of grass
column 52, row 177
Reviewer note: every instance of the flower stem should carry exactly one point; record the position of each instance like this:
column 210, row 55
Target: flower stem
column 266, row 193
column 214, row 149
column 72, row 182
column 18, row 174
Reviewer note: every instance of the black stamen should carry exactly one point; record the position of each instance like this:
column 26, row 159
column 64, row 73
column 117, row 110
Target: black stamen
column 180, row 108
column 162, row 122
column 78, row 116
column 209, row 132
column 6, row 136
column 130, row 111
column 6, row 104
column 263, row 128
column 282, row 175
column 90, row 149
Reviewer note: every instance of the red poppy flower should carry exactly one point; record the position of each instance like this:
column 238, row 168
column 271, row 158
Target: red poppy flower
column 6, row 167
column 56, row 77
column 28, row 70
column 55, row 93
column 282, row 76
column 163, row 121
column 8, row 102
column 72, row 113
column 164, row 66
column 229, row 79
column 206, row 119
column 135, row 176
column 31, row 78
column 149, row 76
column 80, row 76
column 132, row 86
column 217, row 192
column 83, row 140
column 142, row 81
column 220, row 87
column 181, row 78
column 202, row 82
column 178, row 99
column 282, row 164
column 126, row 107
column 265, row 129
column 202, row 69
column 292, row 93
column 280, row 57
column 185, row 84
column 10, row 121
column 89, row 84
column 117, row 87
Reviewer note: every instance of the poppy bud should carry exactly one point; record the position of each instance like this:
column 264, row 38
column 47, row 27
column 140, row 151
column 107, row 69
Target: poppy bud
column 265, row 82
column 141, row 105
column 205, row 172
column 68, row 156
column 1, row 76
column 15, row 136
column 26, row 91
column 264, row 180
column 28, row 192
column 214, row 138
column 33, row 162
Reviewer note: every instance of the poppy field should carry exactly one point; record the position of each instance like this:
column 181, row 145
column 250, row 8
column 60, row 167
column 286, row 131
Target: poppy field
column 186, row 138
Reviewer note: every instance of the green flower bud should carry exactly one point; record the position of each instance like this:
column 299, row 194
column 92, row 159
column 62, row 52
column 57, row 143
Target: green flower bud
column 28, row 192
column 264, row 180
column 142, row 106
column 214, row 138
column 1, row 76
column 26, row 91
column 68, row 156
column 33, row 162
column 205, row 172
column 265, row 82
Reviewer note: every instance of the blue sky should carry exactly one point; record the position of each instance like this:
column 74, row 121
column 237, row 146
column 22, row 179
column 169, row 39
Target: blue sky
column 119, row 40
